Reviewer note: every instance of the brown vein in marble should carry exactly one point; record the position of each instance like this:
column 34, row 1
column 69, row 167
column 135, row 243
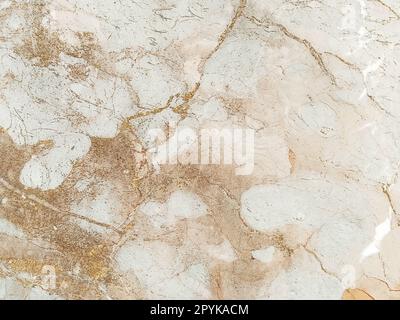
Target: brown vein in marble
column 369, row 96
column 384, row 283
column 347, row 63
column 307, row 44
column 184, row 107
column 238, row 13
column 388, row 197
column 153, row 111
column 51, row 207
column 389, row 8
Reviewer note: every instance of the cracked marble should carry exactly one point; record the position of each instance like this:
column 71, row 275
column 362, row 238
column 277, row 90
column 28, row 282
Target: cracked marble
column 85, row 215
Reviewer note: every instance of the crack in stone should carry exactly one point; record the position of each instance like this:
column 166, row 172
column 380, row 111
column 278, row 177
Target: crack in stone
column 315, row 54
column 389, row 8
column 385, row 190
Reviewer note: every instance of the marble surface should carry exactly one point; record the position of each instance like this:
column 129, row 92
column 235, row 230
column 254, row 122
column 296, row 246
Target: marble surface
column 90, row 209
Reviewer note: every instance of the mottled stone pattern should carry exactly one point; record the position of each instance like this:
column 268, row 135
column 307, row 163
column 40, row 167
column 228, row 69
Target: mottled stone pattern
column 85, row 213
